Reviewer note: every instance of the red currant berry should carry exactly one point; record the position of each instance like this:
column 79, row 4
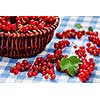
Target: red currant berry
column 75, row 47
column 34, row 74
column 53, row 76
column 16, row 71
column 50, row 71
column 59, row 52
column 91, row 59
column 59, row 35
column 79, row 34
column 25, row 62
column 30, row 73
column 81, row 74
column 12, row 69
column 18, row 66
column 46, row 76
column 83, row 79
column 88, row 44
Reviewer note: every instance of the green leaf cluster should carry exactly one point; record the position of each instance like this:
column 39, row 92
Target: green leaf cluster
column 70, row 64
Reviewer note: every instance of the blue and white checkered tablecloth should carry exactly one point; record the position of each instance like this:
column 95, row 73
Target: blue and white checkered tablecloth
column 65, row 23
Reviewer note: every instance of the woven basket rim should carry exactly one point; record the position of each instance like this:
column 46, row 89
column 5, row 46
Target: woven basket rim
column 34, row 32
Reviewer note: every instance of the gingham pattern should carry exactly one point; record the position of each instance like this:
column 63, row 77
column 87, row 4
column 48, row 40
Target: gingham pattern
column 65, row 23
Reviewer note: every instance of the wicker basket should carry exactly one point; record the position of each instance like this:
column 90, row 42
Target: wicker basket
column 21, row 45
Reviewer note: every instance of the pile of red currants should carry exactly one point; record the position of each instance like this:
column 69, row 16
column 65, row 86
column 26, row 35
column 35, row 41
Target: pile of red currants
column 24, row 23
column 46, row 66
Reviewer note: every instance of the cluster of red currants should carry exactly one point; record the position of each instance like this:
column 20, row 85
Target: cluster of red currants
column 20, row 67
column 85, row 69
column 57, row 56
column 81, row 52
column 92, row 49
column 61, row 44
column 87, row 66
column 94, row 37
column 24, row 23
column 43, row 66
column 72, row 33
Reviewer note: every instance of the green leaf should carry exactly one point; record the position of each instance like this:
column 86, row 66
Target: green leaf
column 74, row 59
column 90, row 29
column 71, row 70
column 70, row 64
column 63, row 63
column 78, row 26
column 76, row 67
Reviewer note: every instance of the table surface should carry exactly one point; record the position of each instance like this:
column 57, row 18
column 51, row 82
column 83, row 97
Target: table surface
column 66, row 22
